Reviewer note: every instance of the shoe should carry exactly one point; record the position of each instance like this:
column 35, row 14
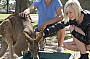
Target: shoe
column 84, row 56
column 60, row 49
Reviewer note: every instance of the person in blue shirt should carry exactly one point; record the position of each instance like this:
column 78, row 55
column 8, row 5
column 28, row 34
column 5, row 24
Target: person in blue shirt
column 49, row 12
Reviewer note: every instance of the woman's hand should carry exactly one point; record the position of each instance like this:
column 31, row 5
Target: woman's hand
column 77, row 29
column 71, row 28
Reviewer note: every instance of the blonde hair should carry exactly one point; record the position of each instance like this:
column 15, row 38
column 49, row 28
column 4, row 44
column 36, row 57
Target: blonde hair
column 76, row 7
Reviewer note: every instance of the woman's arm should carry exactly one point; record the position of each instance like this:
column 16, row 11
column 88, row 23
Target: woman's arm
column 80, row 35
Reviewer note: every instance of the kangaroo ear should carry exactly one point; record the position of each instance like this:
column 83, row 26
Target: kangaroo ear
column 28, row 36
column 39, row 36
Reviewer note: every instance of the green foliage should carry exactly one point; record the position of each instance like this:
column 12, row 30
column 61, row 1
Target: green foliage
column 29, row 4
column 3, row 5
column 3, row 16
column 68, row 36
column 11, row 6
column 0, row 37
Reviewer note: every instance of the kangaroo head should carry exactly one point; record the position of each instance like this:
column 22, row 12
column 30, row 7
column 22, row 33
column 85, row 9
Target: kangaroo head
column 34, row 48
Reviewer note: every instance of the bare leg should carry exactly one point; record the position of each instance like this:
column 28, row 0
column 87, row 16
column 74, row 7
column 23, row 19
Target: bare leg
column 60, row 37
column 81, row 46
column 76, row 45
column 71, row 46
column 88, row 47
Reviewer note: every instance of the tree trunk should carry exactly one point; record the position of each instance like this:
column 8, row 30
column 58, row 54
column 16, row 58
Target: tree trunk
column 21, row 5
column 7, row 5
column 85, row 4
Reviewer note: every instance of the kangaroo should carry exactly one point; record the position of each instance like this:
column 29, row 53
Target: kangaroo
column 13, row 30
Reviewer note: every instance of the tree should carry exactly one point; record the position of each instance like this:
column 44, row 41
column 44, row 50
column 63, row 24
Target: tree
column 21, row 5
column 7, row 5
column 4, row 4
column 85, row 4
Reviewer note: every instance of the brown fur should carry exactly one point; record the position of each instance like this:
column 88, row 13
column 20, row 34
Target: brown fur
column 12, row 31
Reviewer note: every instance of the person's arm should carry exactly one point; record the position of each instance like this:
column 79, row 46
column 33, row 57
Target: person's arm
column 27, row 11
column 30, row 9
column 58, row 18
column 82, row 37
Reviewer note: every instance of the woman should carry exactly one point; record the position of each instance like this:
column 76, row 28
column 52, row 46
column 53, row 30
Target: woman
column 49, row 12
column 80, row 32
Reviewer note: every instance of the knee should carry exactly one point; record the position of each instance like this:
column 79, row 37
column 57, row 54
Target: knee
column 65, row 44
column 61, row 33
column 88, row 47
column 61, row 30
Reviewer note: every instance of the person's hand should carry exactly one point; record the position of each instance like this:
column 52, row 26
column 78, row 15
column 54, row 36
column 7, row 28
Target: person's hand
column 23, row 14
column 42, row 27
column 71, row 28
column 79, row 30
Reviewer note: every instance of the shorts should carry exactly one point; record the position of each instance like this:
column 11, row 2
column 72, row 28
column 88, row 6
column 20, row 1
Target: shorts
column 36, row 30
